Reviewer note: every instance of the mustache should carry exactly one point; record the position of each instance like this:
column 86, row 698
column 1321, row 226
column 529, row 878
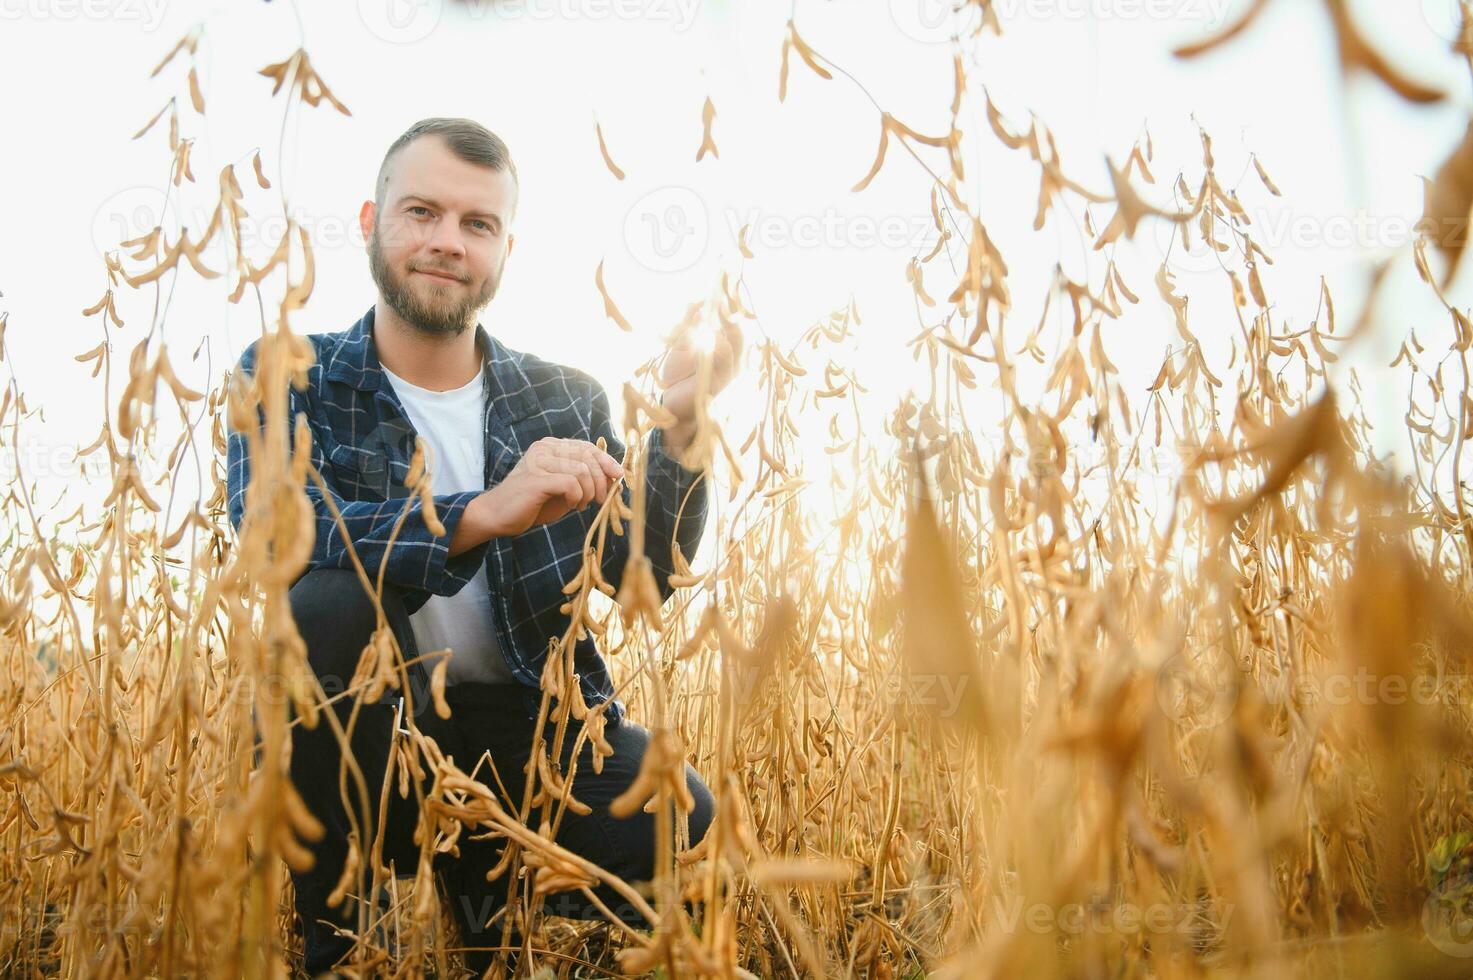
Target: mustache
column 440, row 272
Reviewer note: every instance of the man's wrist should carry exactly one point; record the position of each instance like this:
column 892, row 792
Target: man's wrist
column 477, row 524
column 677, row 437
column 674, row 439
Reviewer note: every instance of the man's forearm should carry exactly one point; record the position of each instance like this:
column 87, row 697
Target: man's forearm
column 478, row 523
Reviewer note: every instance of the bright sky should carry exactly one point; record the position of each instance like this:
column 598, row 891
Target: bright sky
column 539, row 72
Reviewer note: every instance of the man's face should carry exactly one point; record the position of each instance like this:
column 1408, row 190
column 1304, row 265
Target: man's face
column 440, row 215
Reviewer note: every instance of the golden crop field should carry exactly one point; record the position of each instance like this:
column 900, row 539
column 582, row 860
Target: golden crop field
column 996, row 712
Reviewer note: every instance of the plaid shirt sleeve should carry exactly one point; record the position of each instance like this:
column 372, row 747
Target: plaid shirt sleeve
column 668, row 486
column 418, row 560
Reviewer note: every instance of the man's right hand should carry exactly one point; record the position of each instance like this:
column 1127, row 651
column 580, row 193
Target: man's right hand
column 554, row 477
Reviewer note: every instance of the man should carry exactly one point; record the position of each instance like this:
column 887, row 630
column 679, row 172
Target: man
column 516, row 480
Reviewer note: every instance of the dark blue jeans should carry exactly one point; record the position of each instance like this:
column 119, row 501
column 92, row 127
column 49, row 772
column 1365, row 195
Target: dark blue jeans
column 335, row 617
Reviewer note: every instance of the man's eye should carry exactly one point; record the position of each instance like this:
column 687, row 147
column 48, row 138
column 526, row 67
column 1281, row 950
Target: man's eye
column 483, row 224
column 420, row 207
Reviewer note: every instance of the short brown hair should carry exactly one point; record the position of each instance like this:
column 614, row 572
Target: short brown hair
column 467, row 139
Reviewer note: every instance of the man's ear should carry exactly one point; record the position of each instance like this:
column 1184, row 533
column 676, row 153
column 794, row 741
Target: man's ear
column 510, row 241
column 367, row 215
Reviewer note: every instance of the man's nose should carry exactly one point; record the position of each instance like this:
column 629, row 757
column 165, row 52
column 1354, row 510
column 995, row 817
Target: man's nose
column 446, row 239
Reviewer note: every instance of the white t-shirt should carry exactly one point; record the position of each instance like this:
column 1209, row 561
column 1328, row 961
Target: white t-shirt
column 451, row 422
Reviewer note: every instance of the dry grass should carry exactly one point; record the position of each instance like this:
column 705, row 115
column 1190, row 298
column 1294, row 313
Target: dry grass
column 999, row 718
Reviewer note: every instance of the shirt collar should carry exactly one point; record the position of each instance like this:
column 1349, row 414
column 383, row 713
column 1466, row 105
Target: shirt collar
column 355, row 362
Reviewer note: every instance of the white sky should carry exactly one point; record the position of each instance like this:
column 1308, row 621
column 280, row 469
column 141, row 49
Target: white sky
column 540, row 71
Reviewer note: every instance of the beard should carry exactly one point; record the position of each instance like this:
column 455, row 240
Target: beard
column 425, row 305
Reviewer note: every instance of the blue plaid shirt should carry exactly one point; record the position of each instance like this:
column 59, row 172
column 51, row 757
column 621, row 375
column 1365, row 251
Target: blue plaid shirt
column 362, row 442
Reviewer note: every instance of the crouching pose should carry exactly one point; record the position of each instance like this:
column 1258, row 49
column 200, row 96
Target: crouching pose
column 517, row 477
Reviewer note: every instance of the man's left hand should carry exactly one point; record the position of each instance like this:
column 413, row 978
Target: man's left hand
column 680, row 376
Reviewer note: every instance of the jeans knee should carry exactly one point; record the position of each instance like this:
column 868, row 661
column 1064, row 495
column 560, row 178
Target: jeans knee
column 704, row 812
column 335, row 616
column 330, row 597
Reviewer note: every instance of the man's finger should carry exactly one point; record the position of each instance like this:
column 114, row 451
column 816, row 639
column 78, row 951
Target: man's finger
column 589, row 483
column 565, row 485
column 604, row 462
column 601, row 484
column 593, row 466
column 578, row 470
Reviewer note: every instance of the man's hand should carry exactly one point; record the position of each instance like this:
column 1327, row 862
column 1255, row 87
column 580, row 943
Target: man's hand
column 554, row 477
column 680, row 377
column 680, row 374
